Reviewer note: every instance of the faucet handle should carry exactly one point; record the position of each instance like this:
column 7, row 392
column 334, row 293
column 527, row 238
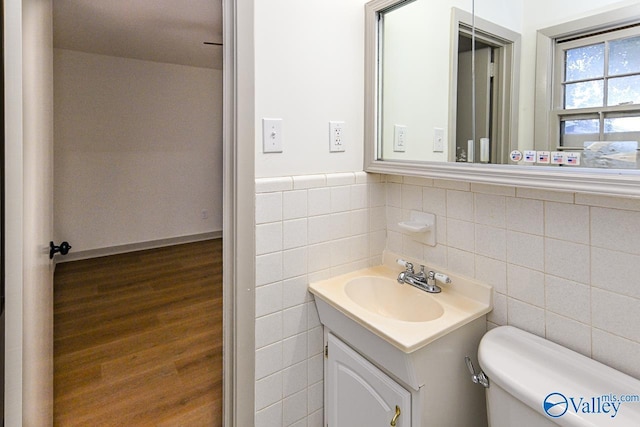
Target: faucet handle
column 443, row 278
column 405, row 264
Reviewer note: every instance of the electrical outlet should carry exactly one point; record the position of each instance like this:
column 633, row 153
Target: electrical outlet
column 336, row 137
column 272, row 135
column 438, row 140
column 399, row 138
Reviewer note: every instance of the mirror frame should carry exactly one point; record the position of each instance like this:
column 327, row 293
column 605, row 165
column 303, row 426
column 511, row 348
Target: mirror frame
column 611, row 182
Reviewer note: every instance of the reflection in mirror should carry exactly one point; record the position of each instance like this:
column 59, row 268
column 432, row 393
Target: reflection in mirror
column 426, row 99
column 578, row 98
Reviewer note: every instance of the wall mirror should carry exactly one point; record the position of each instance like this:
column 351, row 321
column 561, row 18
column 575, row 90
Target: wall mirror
column 435, row 107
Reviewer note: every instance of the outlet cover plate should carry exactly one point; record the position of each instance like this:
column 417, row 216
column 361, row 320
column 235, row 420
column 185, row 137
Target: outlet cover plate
column 336, row 137
column 272, row 135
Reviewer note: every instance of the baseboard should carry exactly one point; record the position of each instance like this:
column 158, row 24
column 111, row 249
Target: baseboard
column 133, row 247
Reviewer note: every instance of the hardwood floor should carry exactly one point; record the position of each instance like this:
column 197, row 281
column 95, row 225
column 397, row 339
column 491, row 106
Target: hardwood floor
column 138, row 338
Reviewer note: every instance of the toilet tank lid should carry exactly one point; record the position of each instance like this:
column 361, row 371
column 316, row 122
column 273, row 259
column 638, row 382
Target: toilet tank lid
column 533, row 370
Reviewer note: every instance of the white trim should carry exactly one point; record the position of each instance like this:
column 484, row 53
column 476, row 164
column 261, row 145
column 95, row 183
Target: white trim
column 134, row 247
column 239, row 214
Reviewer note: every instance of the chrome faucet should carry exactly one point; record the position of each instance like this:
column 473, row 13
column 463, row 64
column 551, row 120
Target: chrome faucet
column 423, row 281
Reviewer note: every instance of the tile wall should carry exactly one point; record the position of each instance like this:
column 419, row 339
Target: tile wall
column 307, row 228
column 564, row 266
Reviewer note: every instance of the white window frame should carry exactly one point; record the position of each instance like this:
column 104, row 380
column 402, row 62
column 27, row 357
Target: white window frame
column 547, row 111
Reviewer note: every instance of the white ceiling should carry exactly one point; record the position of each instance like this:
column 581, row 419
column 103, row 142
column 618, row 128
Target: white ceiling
column 171, row 31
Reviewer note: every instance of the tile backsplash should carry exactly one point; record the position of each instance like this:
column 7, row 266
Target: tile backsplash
column 563, row 265
column 307, row 228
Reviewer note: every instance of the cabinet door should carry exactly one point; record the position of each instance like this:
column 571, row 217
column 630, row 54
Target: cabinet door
column 360, row 395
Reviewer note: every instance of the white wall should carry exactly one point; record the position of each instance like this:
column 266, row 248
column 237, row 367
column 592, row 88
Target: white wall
column 138, row 150
column 309, row 69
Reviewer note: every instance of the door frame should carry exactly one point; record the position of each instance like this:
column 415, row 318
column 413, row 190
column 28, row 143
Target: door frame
column 239, row 214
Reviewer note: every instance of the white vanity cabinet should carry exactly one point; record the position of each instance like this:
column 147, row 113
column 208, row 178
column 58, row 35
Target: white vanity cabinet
column 360, row 394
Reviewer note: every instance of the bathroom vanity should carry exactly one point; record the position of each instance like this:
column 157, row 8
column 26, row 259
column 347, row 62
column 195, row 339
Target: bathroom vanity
column 395, row 354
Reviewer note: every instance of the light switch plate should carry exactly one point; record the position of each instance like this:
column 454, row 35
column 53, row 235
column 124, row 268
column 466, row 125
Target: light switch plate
column 438, row 140
column 399, row 138
column 272, row 135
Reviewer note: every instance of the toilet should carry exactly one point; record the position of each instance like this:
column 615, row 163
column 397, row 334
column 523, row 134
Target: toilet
column 536, row 383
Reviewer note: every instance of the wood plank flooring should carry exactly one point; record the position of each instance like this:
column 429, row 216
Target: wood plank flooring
column 138, row 338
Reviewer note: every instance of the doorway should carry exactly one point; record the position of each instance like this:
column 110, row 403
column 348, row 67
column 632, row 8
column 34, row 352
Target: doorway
column 131, row 162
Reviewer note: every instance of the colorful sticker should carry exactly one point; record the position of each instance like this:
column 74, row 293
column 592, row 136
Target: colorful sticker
column 557, row 158
column 530, row 156
column 573, row 159
column 516, row 156
column 544, row 157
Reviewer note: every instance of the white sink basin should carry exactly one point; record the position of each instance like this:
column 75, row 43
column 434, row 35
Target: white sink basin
column 388, row 298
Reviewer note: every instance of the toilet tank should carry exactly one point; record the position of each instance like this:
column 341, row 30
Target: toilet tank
column 535, row 382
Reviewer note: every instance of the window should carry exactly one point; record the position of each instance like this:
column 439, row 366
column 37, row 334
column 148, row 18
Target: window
column 596, row 88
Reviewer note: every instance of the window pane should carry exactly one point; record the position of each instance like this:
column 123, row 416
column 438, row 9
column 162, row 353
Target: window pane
column 624, row 90
column 583, row 95
column 574, row 127
column 622, row 124
column 584, row 62
column 624, row 56
column 573, row 133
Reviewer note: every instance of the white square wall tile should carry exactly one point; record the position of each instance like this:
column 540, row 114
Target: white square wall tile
column 377, row 195
column 359, row 222
column 294, row 262
column 268, row 391
column 526, row 317
column 490, row 241
column 359, row 196
column 268, row 268
column 268, row 329
column 526, row 250
column 568, row 298
column 497, row 190
column 294, row 321
column 316, row 396
column 419, row 181
column 394, row 195
column 294, row 379
column 499, row 313
column 567, row 260
column 615, row 229
column 314, row 318
column 492, row 272
column 460, row 205
column 378, row 219
column 319, row 201
column 434, row 200
column 525, row 215
column 340, row 198
column 268, row 360
column 411, row 197
column 340, row 225
column 340, row 252
column 552, row 196
column 451, row 185
column 617, row 352
column 294, row 350
column 615, row 271
column 268, row 207
column 268, row 299
column 295, row 291
column 616, row 314
column 359, row 247
column 294, row 233
column 315, row 368
column 320, row 229
column 490, row 210
column 319, row 257
column 270, row 416
column 316, row 342
column 461, row 262
column 567, row 222
column 569, row 333
column 294, row 204
column 268, row 238
column 525, row 285
column 461, row 234
column 294, row 408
